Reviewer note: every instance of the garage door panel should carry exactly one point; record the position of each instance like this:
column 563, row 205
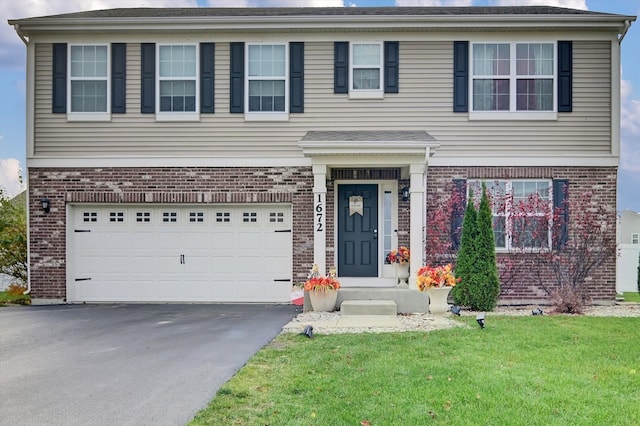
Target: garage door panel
column 173, row 253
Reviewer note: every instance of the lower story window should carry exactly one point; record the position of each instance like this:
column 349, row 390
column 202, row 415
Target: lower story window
column 522, row 212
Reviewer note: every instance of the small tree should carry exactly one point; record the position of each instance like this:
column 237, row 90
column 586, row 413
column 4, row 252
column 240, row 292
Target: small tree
column 483, row 294
column 466, row 262
column 13, row 237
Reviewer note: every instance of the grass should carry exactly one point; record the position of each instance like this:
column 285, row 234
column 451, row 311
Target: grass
column 631, row 297
column 7, row 298
column 550, row 370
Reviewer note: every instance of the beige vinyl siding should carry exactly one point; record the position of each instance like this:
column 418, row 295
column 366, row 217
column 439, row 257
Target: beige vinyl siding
column 424, row 103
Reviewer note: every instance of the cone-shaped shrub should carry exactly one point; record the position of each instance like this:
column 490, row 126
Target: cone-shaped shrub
column 485, row 288
column 465, row 264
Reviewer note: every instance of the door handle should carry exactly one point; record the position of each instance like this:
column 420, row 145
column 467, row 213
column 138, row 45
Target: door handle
column 182, row 259
column 375, row 233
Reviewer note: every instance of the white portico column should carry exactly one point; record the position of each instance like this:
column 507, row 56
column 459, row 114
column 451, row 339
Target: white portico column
column 417, row 220
column 320, row 217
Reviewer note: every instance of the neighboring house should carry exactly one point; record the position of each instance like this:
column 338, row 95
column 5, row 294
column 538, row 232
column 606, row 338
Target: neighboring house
column 628, row 251
column 216, row 154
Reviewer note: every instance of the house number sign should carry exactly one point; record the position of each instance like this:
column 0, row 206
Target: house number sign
column 319, row 214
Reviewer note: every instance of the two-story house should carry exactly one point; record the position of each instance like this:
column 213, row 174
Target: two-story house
column 216, row 154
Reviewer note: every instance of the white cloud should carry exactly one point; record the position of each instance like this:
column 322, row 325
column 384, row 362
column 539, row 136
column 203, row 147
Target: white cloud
column 12, row 48
column 629, row 129
column 569, row 4
column 433, row 3
column 276, row 3
column 10, row 172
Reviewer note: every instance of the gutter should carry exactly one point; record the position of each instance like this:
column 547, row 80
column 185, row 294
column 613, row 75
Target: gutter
column 627, row 24
column 22, row 36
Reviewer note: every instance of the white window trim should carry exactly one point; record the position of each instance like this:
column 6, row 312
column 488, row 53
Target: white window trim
column 177, row 115
column 513, row 114
column 88, row 116
column 266, row 115
column 509, row 190
column 366, row 93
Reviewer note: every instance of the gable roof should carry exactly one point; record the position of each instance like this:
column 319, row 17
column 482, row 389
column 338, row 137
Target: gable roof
column 326, row 18
column 317, row 11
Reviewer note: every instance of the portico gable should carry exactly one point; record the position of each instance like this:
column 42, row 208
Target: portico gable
column 407, row 153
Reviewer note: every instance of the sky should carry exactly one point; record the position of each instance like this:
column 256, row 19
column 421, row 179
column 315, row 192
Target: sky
column 12, row 70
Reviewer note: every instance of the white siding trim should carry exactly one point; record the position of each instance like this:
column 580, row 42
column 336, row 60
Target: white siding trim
column 616, row 75
column 167, row 162
column 552, row 161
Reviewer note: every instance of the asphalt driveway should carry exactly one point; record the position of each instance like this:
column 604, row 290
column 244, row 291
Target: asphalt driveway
column 124, row 364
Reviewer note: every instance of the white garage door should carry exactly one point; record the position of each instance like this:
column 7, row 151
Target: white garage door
column 179, row 253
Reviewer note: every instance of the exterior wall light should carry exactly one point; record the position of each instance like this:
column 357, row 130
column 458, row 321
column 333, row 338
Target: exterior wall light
column 405, row 193
column 46, row 204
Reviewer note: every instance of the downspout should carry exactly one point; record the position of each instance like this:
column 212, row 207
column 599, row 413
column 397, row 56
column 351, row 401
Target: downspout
column 28, row 290
column 627, row 24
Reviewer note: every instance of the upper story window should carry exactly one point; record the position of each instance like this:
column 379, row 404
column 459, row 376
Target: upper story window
column 89, row 84
column 177, row 80
column 366, row 69
column 267, row 79
column 514, row 78
column 522, row 211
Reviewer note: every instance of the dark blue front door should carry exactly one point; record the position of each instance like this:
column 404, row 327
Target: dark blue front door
column 358, row 230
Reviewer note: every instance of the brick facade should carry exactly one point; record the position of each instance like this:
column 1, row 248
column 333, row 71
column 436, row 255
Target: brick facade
column 601, row 181
column 290, row 185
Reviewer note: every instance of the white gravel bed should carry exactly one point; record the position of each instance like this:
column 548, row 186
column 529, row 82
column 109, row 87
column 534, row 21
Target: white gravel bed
column 326, row 322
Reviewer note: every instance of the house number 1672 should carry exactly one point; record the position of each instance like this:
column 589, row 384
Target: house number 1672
column 319, row 214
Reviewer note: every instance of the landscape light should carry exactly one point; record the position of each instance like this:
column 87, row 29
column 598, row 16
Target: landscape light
column 480, row 319
column 455, row 309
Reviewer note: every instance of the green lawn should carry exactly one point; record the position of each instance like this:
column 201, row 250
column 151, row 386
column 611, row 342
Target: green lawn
column 549, row 370
column 631, row 297
column 6, row 298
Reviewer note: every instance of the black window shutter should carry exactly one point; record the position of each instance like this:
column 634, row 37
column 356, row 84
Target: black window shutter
column 148, row 78
column 459, row 207
column 561, row 213
column 207, row 77
column 118, row 78
column 391, row 66
column 565, row 76
column 237, row 78
column 341, row 67
column 296, row 77
column 460, row 76
column 59, row 82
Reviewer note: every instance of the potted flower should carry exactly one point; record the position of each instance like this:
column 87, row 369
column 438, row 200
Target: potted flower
column 437, row 282
column 323, row 290
column 400, row 259
column 402, row 256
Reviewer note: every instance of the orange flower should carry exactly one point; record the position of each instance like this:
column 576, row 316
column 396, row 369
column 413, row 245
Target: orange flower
column 402, row 255
column 439, row 276
column 321, row 283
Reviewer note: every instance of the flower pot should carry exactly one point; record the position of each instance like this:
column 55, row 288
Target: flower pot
column 402, row 273
column 323, row 300
column 438, row 299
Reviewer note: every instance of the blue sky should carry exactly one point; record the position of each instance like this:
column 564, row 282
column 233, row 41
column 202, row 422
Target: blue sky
column 12, row 72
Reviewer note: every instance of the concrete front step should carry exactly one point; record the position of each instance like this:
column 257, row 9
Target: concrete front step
column 368, row 307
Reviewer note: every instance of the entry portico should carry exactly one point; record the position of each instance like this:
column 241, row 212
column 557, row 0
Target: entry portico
column 405, row 152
